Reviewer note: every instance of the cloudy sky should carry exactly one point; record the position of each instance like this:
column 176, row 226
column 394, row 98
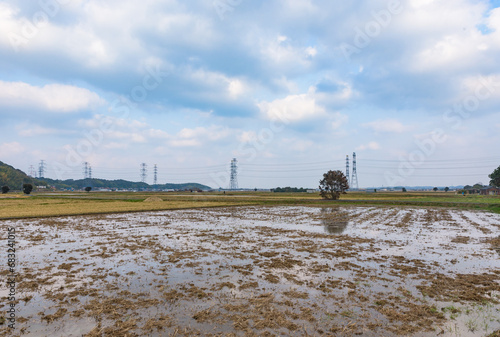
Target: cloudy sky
column 288, row 87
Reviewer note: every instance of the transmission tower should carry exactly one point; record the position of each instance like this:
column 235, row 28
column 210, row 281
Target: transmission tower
column 347, row 167
column 144, row 172
column 155, row 178
column 90, row 176
column 41, row 169
column 85, row 170
column 354, row 181
column 87, row 174
column 234, row 175
column 32, row 171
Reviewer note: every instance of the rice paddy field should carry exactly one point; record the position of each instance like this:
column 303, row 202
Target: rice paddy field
column 179, row 266
column 17, row 205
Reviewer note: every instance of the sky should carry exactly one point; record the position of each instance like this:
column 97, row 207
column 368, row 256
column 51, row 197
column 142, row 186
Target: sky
column 287, row 87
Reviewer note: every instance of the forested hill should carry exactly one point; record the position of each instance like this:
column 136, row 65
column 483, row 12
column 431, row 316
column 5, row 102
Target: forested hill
column 119, row 184
column 14, row 178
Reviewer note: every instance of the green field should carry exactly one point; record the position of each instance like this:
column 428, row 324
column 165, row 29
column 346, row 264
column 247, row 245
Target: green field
column 77, row 203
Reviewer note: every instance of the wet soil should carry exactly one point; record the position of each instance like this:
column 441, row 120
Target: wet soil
column 259, row 271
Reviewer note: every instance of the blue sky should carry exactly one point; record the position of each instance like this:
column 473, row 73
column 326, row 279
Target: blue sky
column 289, row 88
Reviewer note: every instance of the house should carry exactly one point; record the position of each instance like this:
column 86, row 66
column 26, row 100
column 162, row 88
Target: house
column 490, row 190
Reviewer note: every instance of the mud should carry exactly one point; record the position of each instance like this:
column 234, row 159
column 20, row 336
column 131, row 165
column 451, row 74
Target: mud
column 258, row 271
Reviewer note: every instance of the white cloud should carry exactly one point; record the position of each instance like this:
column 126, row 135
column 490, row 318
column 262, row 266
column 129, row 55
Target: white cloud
column 215, row 85
column 450, row 42
column 110, row 123
column 264, row 55
column 129, row 131
column 11, row 149
column 481, row 88
column 115, row 146
column 293, row 108
column 154, row 133
column 27, row 130
column 133, row 137
column 299, row 145
column 282, row 53
column 199, row 135
column 285, row 84
column 370, row 146
column 281, row 38
column 311, row 51
column 247, row 136
column 387, row 125
column 338, row 120
column 236, row 88
column 51, row 97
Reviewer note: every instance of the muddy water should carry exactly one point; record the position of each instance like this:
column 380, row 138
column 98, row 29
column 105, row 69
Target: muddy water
column 260, row 271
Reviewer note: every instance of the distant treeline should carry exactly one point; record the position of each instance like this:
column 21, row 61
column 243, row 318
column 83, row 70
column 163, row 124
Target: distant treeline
column 120, row 184
column 14, row 179
column 289, row 189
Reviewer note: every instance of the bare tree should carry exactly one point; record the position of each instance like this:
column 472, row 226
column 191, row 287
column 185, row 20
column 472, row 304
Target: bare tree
column 333, row 184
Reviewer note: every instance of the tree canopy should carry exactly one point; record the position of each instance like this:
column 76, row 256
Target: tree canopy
column 290, row 189
column 495, row 177
column 333, row 184
column 10, row 176
column 27, row 188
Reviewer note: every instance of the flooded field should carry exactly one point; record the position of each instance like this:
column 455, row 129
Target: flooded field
column 259, row 271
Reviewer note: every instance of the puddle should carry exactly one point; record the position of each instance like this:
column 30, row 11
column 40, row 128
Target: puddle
column 255, row 270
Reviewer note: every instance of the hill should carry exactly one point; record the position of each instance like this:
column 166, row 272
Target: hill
column 14, row 178
column 119, row 184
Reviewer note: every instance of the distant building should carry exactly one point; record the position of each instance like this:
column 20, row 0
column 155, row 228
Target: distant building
column 490, row 190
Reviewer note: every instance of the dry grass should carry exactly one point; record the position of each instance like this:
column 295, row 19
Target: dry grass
column 16, row 205
column 27, row 208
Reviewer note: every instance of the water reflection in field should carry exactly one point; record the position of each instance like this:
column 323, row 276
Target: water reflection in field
column 256, row 270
